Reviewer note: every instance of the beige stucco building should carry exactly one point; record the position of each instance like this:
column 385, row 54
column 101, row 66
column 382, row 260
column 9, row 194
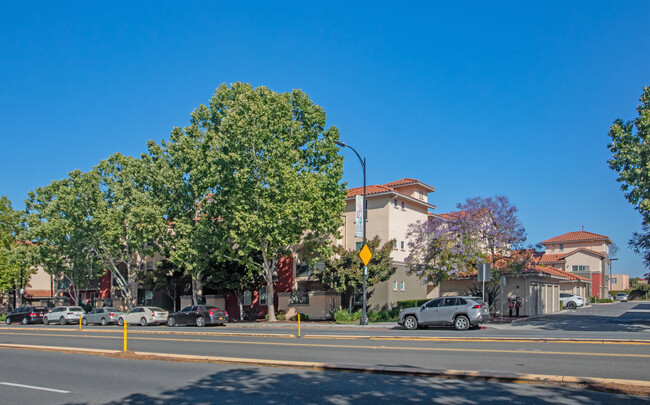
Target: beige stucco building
column 619, row 282
column 582, row 253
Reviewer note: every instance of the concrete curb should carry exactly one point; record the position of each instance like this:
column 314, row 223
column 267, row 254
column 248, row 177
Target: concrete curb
column 582, row 382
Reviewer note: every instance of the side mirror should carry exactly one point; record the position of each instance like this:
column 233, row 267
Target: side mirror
column 422, row 308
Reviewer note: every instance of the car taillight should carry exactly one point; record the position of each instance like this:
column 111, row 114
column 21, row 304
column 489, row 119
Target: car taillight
column 226, row 313
column 33, row 314
column 477, row 306
column 153, row 314
column 111, row 314
column 211, row 313
column 70, row 313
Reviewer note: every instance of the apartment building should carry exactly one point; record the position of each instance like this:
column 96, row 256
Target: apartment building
column 582, row 253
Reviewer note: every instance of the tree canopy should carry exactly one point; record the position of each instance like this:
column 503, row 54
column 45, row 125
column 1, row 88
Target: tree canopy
column 631, row 160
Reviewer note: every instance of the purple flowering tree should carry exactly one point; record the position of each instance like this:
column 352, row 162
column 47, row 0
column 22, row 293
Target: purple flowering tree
column 453, row 244
column 494, row 223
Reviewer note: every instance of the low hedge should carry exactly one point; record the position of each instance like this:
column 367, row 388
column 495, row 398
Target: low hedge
column 411, row 303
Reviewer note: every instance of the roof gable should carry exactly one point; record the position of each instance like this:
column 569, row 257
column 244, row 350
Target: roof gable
column 579, row 236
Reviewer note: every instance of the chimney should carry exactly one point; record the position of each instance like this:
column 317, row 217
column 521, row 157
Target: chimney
column 583, row 228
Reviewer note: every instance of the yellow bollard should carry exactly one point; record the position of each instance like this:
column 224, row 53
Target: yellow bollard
column 125, row 335
column 80, row 322
column 298, row 324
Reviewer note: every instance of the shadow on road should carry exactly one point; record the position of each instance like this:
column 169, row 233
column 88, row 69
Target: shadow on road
column 626, row 322
column 260, row 386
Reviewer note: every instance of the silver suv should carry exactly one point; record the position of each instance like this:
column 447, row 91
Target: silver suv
column 462, row 312
column 64, row 315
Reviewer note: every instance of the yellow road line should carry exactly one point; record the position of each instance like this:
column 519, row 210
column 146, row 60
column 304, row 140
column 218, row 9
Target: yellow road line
column 426, row 349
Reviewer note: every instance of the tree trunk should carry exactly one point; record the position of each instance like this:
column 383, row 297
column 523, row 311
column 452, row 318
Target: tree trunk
column 197, row 291
column 270, row 293
column 350, row 304
column 238, row 295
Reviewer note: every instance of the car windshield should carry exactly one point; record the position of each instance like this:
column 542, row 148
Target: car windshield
column 478, row 301
column 76, row 309
column 112, row 310
column 156, row 309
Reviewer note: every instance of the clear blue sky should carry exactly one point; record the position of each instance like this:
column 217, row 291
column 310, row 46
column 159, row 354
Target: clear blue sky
column 511, row 98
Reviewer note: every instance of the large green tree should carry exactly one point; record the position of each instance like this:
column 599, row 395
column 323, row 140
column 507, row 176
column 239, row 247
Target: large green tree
column 343, row 272
column 630, row 148
column 61, row 230
column 15, row 252
column 278, row 175
column 181, row 177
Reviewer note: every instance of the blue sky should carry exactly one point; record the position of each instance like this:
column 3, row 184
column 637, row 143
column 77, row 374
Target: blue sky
column 512, row 98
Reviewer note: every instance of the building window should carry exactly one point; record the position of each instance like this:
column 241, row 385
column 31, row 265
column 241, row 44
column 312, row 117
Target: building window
column 358, row 246
column 580, row 268
column 395, row 244
column 402, row 245
column 403, row 206
column 263, row 295
column 394, row 285
column 612, row 280
column 395, row 204
column 401, row 286
column 561, row 248
column 149, row 265
column 247, row 298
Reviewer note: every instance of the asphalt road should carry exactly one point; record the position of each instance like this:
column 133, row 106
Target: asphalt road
column 29, row 377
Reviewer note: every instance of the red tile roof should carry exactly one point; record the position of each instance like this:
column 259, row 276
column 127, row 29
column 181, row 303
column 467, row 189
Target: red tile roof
column 374, row 189
column 577, row 237
column 559, row 257
column 557, row 272
column 453, row 215
column 551, row 258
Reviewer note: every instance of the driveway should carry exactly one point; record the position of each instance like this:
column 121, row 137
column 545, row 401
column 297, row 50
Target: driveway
column 624, row 319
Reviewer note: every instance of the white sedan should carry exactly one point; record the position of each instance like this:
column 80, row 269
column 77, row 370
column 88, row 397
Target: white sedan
column 571, row 301
column 144, row 316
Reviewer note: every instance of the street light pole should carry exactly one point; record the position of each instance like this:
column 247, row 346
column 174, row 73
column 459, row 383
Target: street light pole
column 364, row 315
column 609, row 282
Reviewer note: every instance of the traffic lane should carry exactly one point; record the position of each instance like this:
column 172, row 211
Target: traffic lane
column 491, row 331
column 102, row 380
column 515, row 359
column 47, row 337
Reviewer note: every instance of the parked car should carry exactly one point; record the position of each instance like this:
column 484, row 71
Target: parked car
column 462, row 312
column 621, row 297
column 199, row 315
column 144, row 316
column 103, row 316
column 26, row 315
column 64, row 315
column 571, row 301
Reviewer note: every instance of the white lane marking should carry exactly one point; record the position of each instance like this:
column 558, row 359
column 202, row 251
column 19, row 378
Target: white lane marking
column 35, row 388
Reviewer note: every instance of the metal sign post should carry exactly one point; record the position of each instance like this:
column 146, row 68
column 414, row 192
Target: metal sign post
column 483, row 276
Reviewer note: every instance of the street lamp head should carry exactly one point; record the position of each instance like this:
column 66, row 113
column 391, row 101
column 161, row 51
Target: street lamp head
column 341, row 143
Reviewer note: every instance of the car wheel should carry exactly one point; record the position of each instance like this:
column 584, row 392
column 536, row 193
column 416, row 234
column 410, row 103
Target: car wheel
column 200, row 321
column 8, row 321
column 104, row 323
column 143, row 321
column 62, row 321
column 410, row 322
column 120, row 321
column 171, row 321
column 45, row 321
column 461, row 322
column 84, row 321
column 25, row 321
column 571, row 305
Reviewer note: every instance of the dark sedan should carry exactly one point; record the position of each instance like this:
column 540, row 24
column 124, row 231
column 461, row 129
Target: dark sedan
column 199, row 315
column 26, row 315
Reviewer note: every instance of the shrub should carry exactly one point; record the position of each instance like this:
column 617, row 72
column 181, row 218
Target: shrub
column 384, row 315
column 250, row 314
column 3, row 317
column 303, row 317
column 604, row 301
column 411, row 303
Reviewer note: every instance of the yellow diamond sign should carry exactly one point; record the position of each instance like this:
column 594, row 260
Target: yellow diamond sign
column 365, row 255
